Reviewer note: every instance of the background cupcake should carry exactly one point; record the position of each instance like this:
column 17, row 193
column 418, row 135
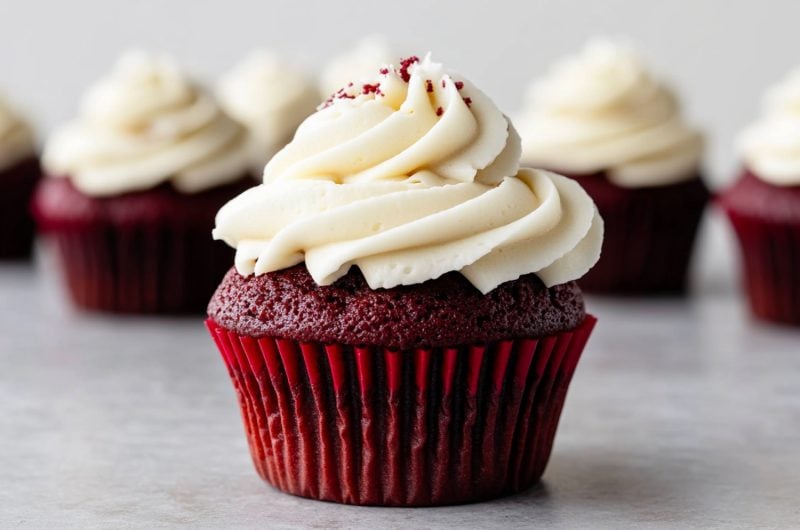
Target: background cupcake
column 355, row 65
column 402, row 325
column 270, row 98
column 764, row 206
column 19, row 171
column 603, row 119
column 133, row 186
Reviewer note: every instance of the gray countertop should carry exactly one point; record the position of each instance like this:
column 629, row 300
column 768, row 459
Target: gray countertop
column 682, row 413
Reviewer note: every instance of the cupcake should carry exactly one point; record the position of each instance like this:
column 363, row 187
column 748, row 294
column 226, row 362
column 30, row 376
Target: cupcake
column 355, row 65
column 402, row 324
column 270, row 98
column 132, row 188
column 19, row 172
column 764, row 206
column 603, row 119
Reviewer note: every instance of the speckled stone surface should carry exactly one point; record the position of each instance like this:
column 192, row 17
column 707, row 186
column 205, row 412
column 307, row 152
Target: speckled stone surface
column 681, row 414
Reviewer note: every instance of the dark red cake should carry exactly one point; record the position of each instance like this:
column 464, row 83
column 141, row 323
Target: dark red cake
column 141, row 252
column 17, row 183
column 649, row 235
column 767, row 222
column 418, row 395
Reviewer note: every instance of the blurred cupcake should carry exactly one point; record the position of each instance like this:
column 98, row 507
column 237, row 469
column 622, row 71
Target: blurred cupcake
column 358, row 64
column 133, row 187
column 764, row 206
column 19, row 172
column 402, row 323
column 270, row 98
column 603, row 119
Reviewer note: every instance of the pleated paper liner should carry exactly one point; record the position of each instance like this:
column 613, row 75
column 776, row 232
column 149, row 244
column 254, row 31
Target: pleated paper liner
column 422, row 427
column 16, row 223
column 771, row 257
column 649, row 236
column 140, row 268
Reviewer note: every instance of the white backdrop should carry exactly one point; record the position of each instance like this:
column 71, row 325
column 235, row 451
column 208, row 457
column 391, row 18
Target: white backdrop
column 720, row 54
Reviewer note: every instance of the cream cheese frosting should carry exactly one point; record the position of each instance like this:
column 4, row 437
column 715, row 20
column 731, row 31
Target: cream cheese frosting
column 356, row 65
column 409, row 177
column 771, row 146
column 145, row 124
column 16, row 136
column 602, row 110
column 271, row 98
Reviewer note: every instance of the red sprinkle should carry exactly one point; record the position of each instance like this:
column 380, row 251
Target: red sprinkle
column 439, row 111
column 405, row 64
column 468, row 101
column 459, row 85
column 384, row 71
column 429, row 85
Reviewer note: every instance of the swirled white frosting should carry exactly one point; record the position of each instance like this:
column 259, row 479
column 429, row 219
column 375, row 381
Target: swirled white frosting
column 408, row 178
column 602, row 110
column 271, row 98
column 356, row 65
column 143, row 125
column 16, row 136
column 771, row 146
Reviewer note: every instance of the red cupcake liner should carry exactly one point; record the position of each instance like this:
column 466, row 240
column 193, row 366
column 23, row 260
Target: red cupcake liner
column 16, row 222
column 375, row 426
column 649, row 236
column 144, row 268
column 771, row 257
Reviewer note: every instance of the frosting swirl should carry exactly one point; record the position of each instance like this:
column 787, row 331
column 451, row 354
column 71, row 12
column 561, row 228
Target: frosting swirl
column 143, row 125
column 602, row 110
column 407, row 178
column 270, row 98
column 356, row 65
column 16, row 136
column 771, row 146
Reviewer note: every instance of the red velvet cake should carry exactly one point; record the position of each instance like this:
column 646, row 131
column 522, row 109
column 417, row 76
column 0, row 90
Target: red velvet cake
column 402, row 325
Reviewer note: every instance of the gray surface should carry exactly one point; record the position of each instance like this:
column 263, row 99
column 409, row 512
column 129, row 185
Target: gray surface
column 681, row 414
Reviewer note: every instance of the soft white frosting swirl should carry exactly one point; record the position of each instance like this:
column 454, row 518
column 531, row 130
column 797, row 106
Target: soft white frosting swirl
column 409, row 181
column 356, row 65
column 270, row 98
column 771, row 146
column 602, row 110
column 16, row 136
column 146, row 124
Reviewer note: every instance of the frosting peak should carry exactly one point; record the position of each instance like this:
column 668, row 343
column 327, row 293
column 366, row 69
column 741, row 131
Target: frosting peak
column 602, row 110
column 16, row 136
column 408, row 176
column 771, row 146
column 271, row 98
column 144, row 124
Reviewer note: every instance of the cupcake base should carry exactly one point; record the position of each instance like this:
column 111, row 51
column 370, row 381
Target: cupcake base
column 649, row 236
column 766, row 219
column 16, row 223
column 143, row 252
column 419, row 427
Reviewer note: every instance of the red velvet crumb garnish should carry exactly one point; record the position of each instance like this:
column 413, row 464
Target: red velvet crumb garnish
column 468, row 101
column 384, row 71
column 371, row 89
column 429, row 85
column 439, row 111
column 459, row 85
column 405, row 64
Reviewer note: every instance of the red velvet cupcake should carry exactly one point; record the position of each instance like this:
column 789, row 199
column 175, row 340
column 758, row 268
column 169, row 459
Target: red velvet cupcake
column 764, row 207
column 402, row 324
column 19, row 172
column 132, row 189
column 601, row 118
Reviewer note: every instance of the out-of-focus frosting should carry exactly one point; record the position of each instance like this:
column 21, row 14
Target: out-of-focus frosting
column 356, row 65
column 771, row 146
column 16, row 136
column 270, row 98
column 602, row 110
column 146, row 124
column 409, row 177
